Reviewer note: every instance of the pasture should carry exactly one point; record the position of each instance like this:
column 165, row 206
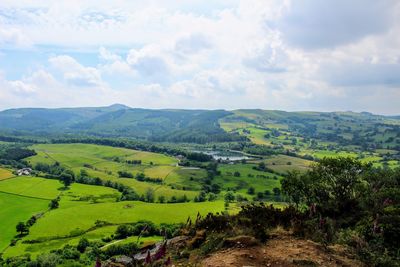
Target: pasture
column 69, row 223
column 5, row 174
column 283, row 163
column 248, row 177
column 105, row 162
column 15, row 209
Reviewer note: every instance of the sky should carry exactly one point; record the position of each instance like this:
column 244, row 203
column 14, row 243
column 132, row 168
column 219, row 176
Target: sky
column 331, row 55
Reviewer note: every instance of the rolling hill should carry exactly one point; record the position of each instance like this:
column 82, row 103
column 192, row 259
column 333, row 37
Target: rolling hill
column 263, row 127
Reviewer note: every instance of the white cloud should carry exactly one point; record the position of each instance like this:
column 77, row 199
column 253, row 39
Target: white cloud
column 76, row 74
column 225, row 54
column 13, row 37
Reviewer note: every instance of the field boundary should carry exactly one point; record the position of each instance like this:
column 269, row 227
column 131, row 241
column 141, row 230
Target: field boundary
column 14, row 194
column 12, row 177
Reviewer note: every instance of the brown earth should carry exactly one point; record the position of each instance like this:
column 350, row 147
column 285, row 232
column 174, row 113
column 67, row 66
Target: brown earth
column 282, row 250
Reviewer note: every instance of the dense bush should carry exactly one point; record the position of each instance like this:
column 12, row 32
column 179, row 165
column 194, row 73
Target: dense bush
column 343, row 194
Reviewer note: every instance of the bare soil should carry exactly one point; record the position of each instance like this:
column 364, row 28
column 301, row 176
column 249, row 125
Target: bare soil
column 282, row 250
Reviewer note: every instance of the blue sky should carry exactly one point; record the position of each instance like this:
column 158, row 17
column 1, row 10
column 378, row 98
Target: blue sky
column 290, row 55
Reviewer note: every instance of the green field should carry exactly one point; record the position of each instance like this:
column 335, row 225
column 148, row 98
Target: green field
column 80, row 207
column 13, row 210
column 69, row 223
column 31, row 187
column 105, row 162
column 74, row 154
column 249, row 177
column 5, row 174
column 283, row 163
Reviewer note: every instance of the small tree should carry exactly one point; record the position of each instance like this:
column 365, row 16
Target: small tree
column 229, row 197
column 251, row 191
column 123, row 231
column 276, row 191
column 66, row 178
column 149, row 195
column 215, row 188
column 82, row 245
column 161, row 199
column 22, row 228
column 54, row 203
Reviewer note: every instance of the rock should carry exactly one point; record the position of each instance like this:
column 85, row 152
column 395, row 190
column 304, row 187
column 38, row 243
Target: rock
column 123, row 260
column 241, row 241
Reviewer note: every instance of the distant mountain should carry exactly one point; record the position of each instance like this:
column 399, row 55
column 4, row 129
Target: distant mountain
column 174, row 125
column 198, row 126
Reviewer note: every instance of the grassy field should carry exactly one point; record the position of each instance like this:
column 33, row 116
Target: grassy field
column 261, row 181
column 54, row 232
column 74, row 154
column 5, row 174
column 283, row 163
column 105, row 162
column 31, row 187
column 80, row 207
column 15, row 209
column 83, row 216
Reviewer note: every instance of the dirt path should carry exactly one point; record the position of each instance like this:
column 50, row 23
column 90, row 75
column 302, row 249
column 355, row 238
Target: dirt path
column 282, row 250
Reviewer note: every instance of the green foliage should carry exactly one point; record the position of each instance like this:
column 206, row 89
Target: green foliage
column 120, row 249
column 82, row 245
column 251, row 191
column 125, row 174
column 189, row 126
column 22, row 228
column 17, row 153
column 54, row 203
column 342, row 194
column 229, row 197
column 67, row 177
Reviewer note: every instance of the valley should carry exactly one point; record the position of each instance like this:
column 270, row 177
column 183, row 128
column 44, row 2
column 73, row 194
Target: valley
column 89, row 178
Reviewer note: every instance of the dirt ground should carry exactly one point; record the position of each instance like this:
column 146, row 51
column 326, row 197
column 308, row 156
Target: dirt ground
column 282, row 250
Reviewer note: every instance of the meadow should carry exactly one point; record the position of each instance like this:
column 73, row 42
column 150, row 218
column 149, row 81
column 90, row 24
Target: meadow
column 13, row 210
column 81, row 206
column 105, row 162
column 5, row 174
column 246, row 177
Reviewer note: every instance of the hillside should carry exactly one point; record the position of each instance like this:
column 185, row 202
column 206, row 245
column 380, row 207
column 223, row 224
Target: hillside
column 197, row 126
column 265, row 127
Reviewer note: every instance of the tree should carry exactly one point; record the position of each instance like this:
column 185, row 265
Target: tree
column 22, row 228
column 123, row 231
column 82, row 245
column 332, row 184
column 251, row 191
column 54, row 203
column 161, row 199
column 48, row 260
column 276, row 191
column 236, row 174
column 295, row 186
column 215, row 188
column 67, row 177
column 229, row 197
column 149, row 195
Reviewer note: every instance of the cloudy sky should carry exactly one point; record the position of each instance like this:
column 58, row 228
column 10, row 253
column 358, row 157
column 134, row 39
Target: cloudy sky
column 289, row 55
